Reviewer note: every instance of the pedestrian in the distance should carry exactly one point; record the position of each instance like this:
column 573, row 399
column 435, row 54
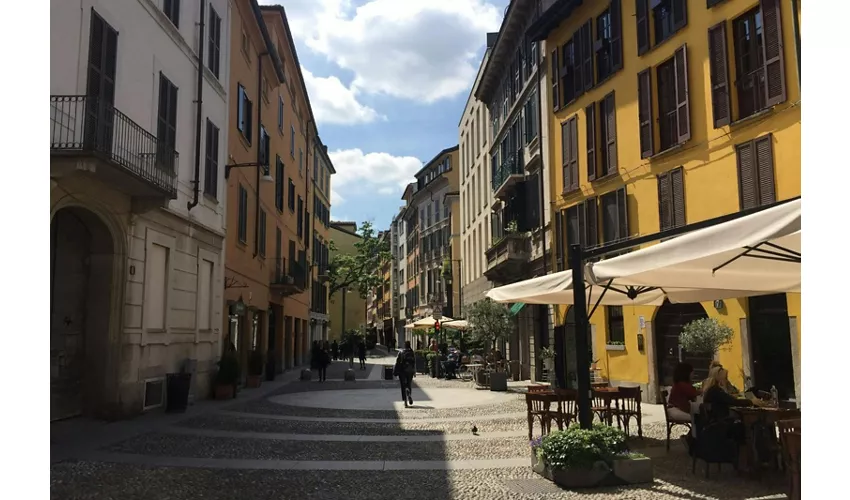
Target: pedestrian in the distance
column 361, row 351
column 335, row 350
column 405, row 370
column 323, row 361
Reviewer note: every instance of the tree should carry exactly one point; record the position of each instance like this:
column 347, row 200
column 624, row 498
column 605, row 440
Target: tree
column 359, row 271
column 705, row 336
column 489, row 322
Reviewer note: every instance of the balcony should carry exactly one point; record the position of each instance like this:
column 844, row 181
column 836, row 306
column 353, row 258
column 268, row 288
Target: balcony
column 508, row 173
column 87, row 135
column 288, row 279
column 507, row 259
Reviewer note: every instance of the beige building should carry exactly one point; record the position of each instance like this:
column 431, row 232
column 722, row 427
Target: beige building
column 344, row 235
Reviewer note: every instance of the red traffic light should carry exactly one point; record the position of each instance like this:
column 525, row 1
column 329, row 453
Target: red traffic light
column 437, row 326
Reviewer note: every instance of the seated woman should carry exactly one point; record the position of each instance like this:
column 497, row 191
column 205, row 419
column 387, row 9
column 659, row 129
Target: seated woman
column 682, row 393
column 720, row 402
column 727, row 386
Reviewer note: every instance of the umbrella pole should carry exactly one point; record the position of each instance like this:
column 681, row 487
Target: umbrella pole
column 585, row 416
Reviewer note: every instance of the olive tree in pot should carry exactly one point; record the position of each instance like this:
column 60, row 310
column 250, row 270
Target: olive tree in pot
column 489, row 323
column 705, row 336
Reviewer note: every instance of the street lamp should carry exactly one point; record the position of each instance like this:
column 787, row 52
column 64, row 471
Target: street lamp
column 266, row 175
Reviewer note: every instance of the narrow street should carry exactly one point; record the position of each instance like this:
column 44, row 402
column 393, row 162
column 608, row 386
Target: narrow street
column 335, row 440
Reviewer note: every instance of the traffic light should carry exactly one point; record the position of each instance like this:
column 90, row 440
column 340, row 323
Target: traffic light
column 437, row 327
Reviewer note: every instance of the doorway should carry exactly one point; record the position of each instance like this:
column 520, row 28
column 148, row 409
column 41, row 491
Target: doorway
column 770, row 340
column 669, row 321
column 81, row 259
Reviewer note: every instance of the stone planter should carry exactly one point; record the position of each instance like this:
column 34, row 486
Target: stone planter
column 498, row 381
column 633, row 470
column 625, row 471
column 306, row 375
column 582, row 478
column 539, row 467
column 349, row 375
column 549, row 364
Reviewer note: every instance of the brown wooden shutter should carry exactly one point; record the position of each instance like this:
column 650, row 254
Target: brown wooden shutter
column 665, row 212
column 642, row 18
column 747, row 188
column 587, row 54
column 592, row 221
column 559, row 243
column 581, row 209
column 774, row 62
column 616, row 43
column 719, row 69
column 763, row 147
column 645, row 112
column 590, row 130
column 565, row 155
column 677, row 191
column 683, row 113
column 576, row 63
column 622, row 214
column 610, row 134
column 574, row 153
column 555, row 88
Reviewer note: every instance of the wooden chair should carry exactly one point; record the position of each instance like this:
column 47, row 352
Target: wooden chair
column 712, row 444
column 566, row 412
column 601, row 406
column 791, row 445
column 671, row 422
column 538, row 389
column 629, row 408
column 538, row 407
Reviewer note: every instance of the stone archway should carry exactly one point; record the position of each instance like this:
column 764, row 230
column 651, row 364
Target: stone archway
column 82, row 253
column 668, row 323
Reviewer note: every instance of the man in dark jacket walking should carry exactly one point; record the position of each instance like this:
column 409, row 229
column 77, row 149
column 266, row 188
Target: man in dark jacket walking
column 405, row 370
column 361, row 351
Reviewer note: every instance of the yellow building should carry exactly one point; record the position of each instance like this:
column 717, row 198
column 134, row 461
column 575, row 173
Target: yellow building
column 344, row 235
column 672, row 112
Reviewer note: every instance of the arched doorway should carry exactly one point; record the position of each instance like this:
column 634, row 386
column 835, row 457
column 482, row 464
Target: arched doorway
column 669, row 321
column 81, row 263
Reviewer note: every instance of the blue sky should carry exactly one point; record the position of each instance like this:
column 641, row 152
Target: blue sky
column 388, row 81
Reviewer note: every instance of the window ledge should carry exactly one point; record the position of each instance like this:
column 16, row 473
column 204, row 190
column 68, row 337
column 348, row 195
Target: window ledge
column 211, row 198
column 752, row 117
column 571, row 192
column 615, row 347
column 669, row 151
column 605, row 177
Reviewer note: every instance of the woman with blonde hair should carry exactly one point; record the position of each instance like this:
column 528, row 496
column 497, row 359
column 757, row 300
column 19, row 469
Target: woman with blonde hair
column 720, row 402
column 725, row 384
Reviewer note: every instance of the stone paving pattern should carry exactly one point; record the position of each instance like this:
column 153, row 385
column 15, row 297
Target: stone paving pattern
column 90, row 474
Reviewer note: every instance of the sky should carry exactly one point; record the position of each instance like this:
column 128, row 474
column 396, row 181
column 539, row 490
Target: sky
column 388, row 81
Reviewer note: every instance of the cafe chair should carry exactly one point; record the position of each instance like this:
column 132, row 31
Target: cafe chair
column 629, row 408
column 789, row 438
column 538, row 408
column 712, row 444
column 566, row 412
column 671, row 422
column 601, row 407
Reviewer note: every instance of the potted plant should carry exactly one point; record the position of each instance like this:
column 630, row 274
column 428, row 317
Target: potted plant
column 705, row 336
column 227, row 376
column 489, row 322
column 512, row 227
column 255, row 369
column 583, row 458
column 548, row 356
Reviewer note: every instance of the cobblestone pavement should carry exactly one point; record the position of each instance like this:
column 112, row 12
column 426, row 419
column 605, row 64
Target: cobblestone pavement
column 252, row 448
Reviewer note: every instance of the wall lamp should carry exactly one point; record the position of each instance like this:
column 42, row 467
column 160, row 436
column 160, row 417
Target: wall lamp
column 266, row 176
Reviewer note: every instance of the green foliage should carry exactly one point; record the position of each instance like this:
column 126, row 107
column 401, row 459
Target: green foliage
column 547, row 353
column 512, row 227
column 577, row 448
column 489, row 322
column 255, row 363
column 359, row 271
column 705, row 336
column 228, row 369
column 447, row 268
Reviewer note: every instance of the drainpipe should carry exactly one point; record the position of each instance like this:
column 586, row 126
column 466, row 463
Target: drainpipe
column 542, row 159
column 796, row 17
column 259, row 151
column 199, row 116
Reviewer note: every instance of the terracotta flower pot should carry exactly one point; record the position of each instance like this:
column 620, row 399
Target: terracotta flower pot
column 224, row 391
column 254, row 381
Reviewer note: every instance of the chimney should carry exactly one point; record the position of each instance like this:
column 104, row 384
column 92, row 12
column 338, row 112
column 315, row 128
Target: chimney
column 491, row 39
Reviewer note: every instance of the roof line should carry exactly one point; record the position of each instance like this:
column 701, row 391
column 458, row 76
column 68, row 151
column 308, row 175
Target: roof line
column 471, row 94
column 270, row 47
column 441, row 153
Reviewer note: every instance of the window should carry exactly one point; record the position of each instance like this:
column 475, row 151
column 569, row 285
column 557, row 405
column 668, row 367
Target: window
column 211, row 161
column 671, row 199
column 262, row 236
column 292, row 141
column 608, row 135
column 166, row 123
column 590, row 140
column 609, row 41
column 645, row 113
column 668, row 16
column 756, row 185
column 265, row 87
column 300, row 162
column 246, row 46
column 171, row 8
column 569, row 153
column 759, row 64
column 616, row 326
column 264, row 146
column 569, row 69
column 673, row 106
column 582, row 224
column 156, row 287
column 244, row 109
column 585, row 48
column 291, row 194
column 280, row 113
column 615, row 216
column 556, row 92
column 278, row 184
column 214, row 49
column 242, row 226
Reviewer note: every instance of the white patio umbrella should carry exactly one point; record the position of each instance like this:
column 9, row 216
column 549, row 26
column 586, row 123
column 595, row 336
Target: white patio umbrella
column 430, row 321
column 455, row 324
column 757, row 254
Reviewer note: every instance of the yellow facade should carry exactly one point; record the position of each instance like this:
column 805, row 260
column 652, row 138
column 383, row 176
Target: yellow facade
column 344, row 235
column 708, row 156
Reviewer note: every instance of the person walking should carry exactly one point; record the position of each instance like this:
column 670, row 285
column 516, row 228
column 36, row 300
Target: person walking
column 335, row 350
column 405, row 370
column 361, row 351
column 323, row 361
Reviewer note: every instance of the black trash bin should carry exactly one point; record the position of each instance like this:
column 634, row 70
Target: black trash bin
column 270, row 369
column 177, row 392
column 388, row 372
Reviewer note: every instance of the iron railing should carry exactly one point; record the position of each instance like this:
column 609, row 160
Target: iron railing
column 86, row 125
column 286, row 272
column 511, row 165
column 751, row 93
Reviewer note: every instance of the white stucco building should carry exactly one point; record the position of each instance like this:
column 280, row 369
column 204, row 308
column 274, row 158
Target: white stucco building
column 138, row 149
column 399, row 286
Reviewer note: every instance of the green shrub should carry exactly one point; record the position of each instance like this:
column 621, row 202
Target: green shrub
column 577, row 448
column 228, row 369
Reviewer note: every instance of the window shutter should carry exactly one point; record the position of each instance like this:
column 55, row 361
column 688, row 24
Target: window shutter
column 616, row 43
column 574, row 152
column 682, row 100
column 677, row 191
column 665, row 214
column 747, row 189
column 578, row 79
column 645, row 112
column 680, row 14
column 610, row 134
column 555, row 89
column 533, row 199
column 573, row 226
column 590, row 122
column 718, row 67
column 642, row 18
column 565, row 154
column 763, row 147
column 591, row 232
column 559, row 243
column 587, row 54
column 622, row 214
column 774, row 62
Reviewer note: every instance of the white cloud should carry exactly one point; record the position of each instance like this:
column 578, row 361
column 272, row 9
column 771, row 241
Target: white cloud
column 372, row 173
column 414, row 49
column 335, row 103
column 336, row 199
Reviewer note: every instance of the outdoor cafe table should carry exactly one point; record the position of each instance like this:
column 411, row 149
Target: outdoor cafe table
column 751, row 415
column 473, row 369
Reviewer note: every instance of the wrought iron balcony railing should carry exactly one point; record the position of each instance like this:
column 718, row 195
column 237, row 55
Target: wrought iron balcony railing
column 511, row 165
column 288, row 273
column 87, row 125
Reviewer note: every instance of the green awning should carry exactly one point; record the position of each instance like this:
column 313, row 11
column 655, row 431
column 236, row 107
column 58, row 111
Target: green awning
column 516, row 308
